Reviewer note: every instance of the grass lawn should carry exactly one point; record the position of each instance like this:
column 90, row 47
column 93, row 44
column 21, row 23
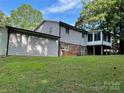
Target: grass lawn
column 87, row 74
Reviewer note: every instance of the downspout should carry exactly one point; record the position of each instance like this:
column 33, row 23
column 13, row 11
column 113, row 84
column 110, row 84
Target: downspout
column 8, row 35
column 102, row 42
column 59, row 40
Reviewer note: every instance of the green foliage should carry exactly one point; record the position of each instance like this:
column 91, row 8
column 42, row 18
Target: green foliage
column 25, row 17
column 95, row 11
column 3, row 19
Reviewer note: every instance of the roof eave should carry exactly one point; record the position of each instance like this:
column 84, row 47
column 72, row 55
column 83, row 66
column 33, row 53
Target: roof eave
column 72, row 27
column 13, row 29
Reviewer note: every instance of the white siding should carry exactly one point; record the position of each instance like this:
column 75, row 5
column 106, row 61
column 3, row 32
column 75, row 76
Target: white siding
column 74, row 37
column 94, row 43
column 21, row 44
column 51, row 28
column 107, row 43
column 3, row 41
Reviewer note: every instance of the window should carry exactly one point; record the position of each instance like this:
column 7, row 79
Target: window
column 109, row 38
column 67, row 30
column 65, row 47
column 90, row 37
column 97, row 36
column 50, row 30
column 104, row 37
column 83, row 35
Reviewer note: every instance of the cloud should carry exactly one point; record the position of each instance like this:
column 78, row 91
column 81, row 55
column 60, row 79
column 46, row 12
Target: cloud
column 64, row 5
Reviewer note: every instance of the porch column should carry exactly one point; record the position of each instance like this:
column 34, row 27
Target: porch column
column 101, row 49
column 110, row 50
column 93, row 50
column 106, row 50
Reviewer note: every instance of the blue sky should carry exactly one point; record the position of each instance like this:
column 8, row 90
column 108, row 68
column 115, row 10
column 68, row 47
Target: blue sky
column 63, row 10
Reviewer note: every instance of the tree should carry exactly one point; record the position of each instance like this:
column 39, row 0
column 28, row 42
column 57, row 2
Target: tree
column 3, row 19
column 94, row 12
column 107, row 15
column 25, row 17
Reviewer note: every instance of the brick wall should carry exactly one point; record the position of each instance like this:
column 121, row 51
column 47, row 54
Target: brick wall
column 67, row 49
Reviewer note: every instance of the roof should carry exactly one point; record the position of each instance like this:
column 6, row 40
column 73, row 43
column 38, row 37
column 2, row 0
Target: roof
column 39, row 34
column 43, row 22
column 63, row 24
column 72, row 27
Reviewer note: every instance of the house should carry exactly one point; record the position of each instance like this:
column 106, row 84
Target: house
column 75, row 41
column 53, row 38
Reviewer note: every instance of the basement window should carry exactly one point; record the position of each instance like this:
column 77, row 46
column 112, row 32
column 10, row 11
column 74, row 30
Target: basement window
column 66, row 48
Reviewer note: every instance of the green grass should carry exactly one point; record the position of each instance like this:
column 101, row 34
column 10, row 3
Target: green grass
column 87, row 74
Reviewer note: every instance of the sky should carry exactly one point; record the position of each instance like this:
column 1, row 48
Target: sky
column 60, row 10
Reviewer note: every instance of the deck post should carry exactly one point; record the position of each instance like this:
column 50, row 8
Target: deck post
column 110, row 50
column 94, row 50
column 106, row 50
column 101, row 49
